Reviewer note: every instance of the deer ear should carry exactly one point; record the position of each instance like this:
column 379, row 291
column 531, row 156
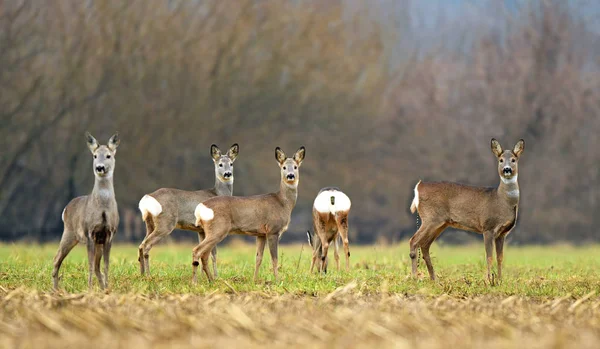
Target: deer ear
column 91, row 142
column 233, row 152
column 280, row 155
column 215, row 152
column 519, row 147
column 113, row 142
column 496, row 148
column 299, row 156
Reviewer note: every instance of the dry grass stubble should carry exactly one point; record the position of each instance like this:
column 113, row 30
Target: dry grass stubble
column 343, row 319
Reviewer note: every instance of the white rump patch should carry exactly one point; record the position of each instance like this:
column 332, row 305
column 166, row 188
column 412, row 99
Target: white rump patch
column 63, row 214
column 509, row 181
column 323, row 202
column 203, row 213
column 149, row 205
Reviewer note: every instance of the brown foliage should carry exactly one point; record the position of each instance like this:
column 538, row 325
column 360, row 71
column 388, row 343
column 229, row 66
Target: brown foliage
column 175, row 76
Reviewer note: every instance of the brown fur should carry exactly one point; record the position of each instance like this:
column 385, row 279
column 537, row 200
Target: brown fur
column 328, row 228
column 92, row 219
column 178, row 207
column 265, row 216
column 488, row 211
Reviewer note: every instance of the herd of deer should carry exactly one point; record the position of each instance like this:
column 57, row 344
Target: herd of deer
column 214, row 213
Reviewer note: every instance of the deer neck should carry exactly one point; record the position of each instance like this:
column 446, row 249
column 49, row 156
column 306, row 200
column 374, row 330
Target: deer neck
column 288, row 194
column 103, row 192
column 509, row 190
column 223, row 188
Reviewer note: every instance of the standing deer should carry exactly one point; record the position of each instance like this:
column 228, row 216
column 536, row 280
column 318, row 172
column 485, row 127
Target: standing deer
column 93, row 218
column 330, row 221
column 167, row 209
column 488, row 211
column 265, row 216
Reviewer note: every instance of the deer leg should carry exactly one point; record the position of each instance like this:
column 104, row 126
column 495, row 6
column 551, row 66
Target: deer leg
column 98, row 251
column 488, row 240
column 260, row 250
column 343, row 231
column 161, row 229
column 67, row 242
column 425, row 249
column 106, row 255
column 149, row 229
column 314, row 260
column 273, row 241
column 415, row 244
column 324, row 249
column 213, row 253
column 500, row 254
column 202, row 252
column 336, row 252
column 427, row 259
column 90, row 251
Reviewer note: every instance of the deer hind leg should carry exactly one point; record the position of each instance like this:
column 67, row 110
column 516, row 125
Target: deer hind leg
column 202, row 252
column 500, row 254
column 343, row 232
column 67, row 242
column 425, row 249
column 98, row 251
column 336, row 251
column 273, row 241
column 162, row 228
column 426, row 232
column 260, row 250
column 213, row 254
column 149, row 229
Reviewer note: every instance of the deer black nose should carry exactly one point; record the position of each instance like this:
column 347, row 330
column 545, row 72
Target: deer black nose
column 100, row 168
column 507, row 170
column 227, row 174
column 291, row 176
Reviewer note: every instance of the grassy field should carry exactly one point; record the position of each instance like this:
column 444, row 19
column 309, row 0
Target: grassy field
column 548, row 298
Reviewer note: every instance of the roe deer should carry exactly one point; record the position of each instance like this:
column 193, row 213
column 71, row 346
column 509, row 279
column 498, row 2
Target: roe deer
column 93, row 218
column 265, row 216
column 330, row 221
column 488, row 211
column 167, row 208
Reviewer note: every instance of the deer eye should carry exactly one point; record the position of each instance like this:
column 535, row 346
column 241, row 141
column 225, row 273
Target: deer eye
column 501, row 160
column 513, row 160
column 220, row 165
column 295, row 167
column 285, row 168
column 108, row 156
column 95, row 156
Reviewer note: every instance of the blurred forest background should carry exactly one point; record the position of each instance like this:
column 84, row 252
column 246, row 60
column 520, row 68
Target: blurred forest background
column 382, row 93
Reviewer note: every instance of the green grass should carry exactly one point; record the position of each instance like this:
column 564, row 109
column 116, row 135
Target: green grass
column 538, row 272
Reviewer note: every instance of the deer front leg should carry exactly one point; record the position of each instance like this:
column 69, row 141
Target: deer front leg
column 98, row 251
column 90, row 252
column 273, row 240
column 488, row 241
column 260, row 250
column 106, row 252
column 500, row 254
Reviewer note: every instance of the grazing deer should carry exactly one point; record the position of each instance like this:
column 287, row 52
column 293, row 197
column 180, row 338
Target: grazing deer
column 93, row 218
column 330, row 221
column 167, row 209
column 488, row 211
column 265, row 216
